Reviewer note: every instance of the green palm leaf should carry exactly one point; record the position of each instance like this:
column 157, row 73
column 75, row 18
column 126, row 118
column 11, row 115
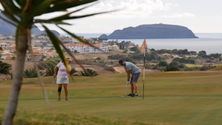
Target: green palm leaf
column 66, row 4
column 68, row 17
column 22, row 3
column 13, row 8
column 8, row 21
column 55, row 41
column 79, row 38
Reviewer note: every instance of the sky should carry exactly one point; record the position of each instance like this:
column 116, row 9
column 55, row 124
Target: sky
column 200, row 16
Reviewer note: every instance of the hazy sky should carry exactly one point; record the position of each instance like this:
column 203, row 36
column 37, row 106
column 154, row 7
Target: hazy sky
column 200, row 16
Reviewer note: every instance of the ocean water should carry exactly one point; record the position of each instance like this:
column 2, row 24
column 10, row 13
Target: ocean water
column 209, row 42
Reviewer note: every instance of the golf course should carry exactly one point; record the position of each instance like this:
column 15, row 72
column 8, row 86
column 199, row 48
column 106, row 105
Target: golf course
column 171, row 98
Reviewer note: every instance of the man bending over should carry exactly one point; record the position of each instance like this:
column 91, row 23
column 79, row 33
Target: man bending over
column 135, row 71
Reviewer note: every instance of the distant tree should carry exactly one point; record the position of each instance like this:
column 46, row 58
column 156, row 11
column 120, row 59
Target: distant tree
column 215, row 55
column 220, row 59
column 184, row 60
column 181, row 66
column 202, row 54
column 125, row 51
column 153, row 51
column 193, row 52
column 136, row 49
column 98, row 58
column 163, row 63
column 173, row 63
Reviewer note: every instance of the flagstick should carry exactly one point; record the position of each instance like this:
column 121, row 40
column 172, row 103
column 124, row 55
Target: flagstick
column 144, row 72
column 143, row 47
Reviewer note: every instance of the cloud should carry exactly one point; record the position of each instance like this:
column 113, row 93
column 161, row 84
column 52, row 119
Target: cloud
column 130, row 8
column 178, row 15
column 127, row 9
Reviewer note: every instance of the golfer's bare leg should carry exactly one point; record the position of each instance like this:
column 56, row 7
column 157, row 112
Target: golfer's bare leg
column 66, row 90
column 134, row 86
column 59, row 93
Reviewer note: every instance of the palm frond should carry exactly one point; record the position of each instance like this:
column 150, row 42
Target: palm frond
column 68, row 17
column 8, row 21
column 41, row 8
column 55, row 41
column 22, row 3
column 57, row 22
column 67, row 50
column 9, row 16
column 9, row 10
column 79, row 38
column 66, row 4
column 11, row 7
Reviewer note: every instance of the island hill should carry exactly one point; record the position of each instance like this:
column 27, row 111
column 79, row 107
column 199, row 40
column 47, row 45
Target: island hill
column 151, row 31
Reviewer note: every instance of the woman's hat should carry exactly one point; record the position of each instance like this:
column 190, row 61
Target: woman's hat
column 70, row 60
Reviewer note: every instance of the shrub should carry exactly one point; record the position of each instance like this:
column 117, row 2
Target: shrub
column 50, row 68
column 4, row 68
column 89, row 72
column 175, row 64
column 30, row 73
column 163, row 63
column 171, row 68
column 109, row 68
column 73, row 71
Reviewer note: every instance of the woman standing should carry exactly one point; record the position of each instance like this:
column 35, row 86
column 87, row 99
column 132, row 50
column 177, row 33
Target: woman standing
column 62, row 77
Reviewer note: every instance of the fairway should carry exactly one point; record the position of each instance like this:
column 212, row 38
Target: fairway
column 171, row 98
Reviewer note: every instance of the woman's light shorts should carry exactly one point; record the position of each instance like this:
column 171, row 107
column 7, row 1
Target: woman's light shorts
column 62, row 80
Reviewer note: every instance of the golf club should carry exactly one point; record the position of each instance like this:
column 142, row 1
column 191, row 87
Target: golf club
column 52, row 86
column 125, row 92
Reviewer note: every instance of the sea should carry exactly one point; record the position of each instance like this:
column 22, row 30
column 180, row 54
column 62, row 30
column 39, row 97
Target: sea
column 209, row 42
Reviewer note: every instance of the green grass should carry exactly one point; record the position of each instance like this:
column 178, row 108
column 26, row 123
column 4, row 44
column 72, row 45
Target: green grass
column 219, row 68
column 193, row 65
column 172, row 98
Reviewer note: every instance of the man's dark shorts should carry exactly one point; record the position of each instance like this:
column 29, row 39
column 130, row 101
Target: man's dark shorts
column 135, row 77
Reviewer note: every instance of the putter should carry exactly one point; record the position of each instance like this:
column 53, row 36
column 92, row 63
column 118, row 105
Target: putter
column 52, row 86
column 125, row 92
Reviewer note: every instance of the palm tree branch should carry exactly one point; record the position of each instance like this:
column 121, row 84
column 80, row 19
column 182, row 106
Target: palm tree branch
column 27, row 6
column 66, row 4
column 57, row 22
column 36, row 68
column 79, row 38
column 8, row 11
column 8, row 21
column 68, row 17
column 69, row 13
column 68, row 51
column 11, row 7
column 55, row 41
column 22, row 3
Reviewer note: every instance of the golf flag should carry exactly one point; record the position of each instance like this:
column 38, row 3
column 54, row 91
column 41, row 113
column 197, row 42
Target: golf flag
column 143, row 47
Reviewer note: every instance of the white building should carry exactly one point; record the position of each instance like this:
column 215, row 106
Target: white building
column 83, row 48
column 4, row 46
